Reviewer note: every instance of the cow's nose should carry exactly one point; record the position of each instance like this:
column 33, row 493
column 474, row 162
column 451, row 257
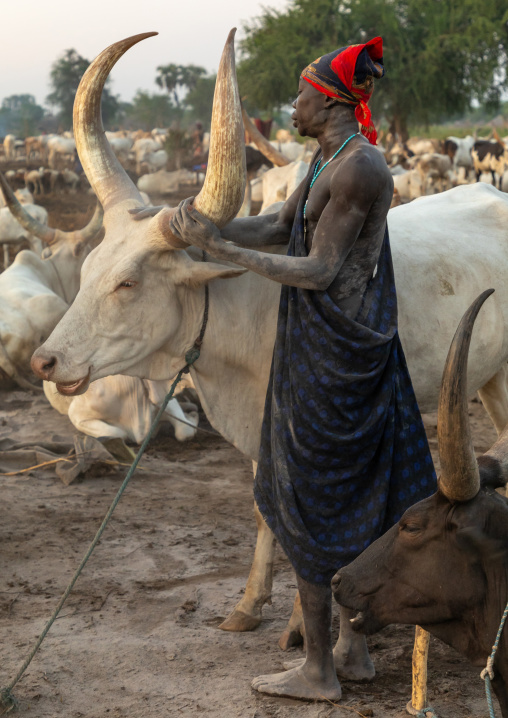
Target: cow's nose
column 43, row 365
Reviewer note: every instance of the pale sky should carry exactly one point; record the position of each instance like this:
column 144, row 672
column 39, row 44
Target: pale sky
column 35, row 34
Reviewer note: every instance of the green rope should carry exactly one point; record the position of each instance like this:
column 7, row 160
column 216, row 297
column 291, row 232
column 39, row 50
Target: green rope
column 488, row 672
column 6, row 697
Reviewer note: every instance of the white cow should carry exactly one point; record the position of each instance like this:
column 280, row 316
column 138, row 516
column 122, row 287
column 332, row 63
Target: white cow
column 294, row 151
column 12, row 232
column 24, row 196
column 156, row 160
column 141, row 148
column 279, row 183
column 446, row 250
column 121, row 146
column 35, row 293
column 162, row 182
column 10, row 147
column 459, row 149
column 122, row 407
column 60, row 147
column 420, row 147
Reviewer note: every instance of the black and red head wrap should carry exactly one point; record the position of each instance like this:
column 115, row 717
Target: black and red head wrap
column 347, row 75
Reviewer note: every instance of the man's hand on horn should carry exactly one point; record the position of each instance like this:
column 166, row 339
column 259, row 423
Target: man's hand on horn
column 190, row 226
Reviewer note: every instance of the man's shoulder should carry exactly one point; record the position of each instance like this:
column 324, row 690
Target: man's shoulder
column 364, row 165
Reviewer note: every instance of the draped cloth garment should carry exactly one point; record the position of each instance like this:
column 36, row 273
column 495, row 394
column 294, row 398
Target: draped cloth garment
column 343, row 449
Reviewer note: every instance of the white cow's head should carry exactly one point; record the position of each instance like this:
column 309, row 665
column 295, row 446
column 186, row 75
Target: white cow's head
column 33, row 297
column 140, row 291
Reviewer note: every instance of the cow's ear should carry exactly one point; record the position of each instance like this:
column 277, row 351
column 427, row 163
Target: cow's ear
column 195, row 274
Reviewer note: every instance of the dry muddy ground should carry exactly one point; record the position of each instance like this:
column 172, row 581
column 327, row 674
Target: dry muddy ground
column 139, row 635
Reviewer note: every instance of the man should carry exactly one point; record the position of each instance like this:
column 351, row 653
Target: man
column 343, row 449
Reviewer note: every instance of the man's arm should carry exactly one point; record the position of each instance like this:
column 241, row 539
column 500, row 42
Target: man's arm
column 260, row 231
column 264, row 230
column 352, row 192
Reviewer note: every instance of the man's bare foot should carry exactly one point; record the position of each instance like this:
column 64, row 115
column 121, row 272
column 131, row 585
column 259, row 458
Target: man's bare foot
column 297, row 684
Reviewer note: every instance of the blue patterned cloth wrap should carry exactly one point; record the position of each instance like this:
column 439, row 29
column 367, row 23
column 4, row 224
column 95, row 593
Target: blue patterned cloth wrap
column 343, row 448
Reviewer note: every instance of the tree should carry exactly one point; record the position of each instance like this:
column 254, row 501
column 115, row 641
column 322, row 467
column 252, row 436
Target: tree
column 20, row 115
column 65, row 75
column 439, row 54
column 149, row 110
column 199, row 100
column 171, row 77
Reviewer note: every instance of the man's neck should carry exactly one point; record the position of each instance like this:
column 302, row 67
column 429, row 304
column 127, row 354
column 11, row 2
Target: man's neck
column 334, row 134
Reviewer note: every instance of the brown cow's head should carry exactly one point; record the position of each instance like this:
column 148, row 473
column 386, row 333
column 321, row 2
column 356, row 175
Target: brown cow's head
column 445, row 561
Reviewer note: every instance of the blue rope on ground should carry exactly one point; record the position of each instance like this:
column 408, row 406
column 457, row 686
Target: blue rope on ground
column 488, row 672
column 7, row 700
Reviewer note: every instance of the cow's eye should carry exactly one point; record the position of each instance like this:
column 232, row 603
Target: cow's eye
column 127, row 285
column 410, row 528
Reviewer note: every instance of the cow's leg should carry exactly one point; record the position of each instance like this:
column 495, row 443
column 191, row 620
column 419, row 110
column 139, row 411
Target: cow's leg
column 294, row 633
column 350, row 655
column 494, row 396
column 246, row 615
column 478, row 175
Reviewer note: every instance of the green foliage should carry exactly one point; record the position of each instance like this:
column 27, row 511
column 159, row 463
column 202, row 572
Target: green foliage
column 171, row 77
column 147, row 111
column 199, row 100
column 65, row 75
column 439, row 54
column 20, row 115
column 179, row 148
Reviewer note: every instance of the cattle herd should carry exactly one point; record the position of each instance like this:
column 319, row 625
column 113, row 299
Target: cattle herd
column 446, row 251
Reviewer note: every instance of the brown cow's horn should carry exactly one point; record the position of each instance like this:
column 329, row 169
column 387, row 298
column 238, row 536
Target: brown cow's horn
column 223, row 191
column 26, row 220
column 262, row 143
column 108, row 178
column 460, row 476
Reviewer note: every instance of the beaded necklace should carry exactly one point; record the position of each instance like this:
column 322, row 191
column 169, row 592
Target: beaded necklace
column 316, row 174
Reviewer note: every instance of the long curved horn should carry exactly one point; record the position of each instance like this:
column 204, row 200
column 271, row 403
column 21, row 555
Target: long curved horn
column 460, row 476
column 262, row 143
column 42, row 231
column 108, row 178
column 32, row 225
column 221, row 196
column 89, row 231
column 222, row 193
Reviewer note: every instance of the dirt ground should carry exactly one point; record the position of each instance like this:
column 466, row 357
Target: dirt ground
column 139, row 636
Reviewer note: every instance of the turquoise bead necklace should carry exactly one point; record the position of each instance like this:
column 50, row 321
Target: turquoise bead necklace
column 316, row 174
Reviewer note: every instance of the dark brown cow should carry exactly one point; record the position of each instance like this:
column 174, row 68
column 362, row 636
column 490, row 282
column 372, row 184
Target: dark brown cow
column 445, row 565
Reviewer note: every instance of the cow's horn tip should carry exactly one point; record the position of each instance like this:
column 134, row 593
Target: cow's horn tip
column 231, row 35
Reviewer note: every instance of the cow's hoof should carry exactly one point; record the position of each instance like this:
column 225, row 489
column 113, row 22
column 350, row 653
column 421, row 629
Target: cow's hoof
column 290, row 638
column 238, row 621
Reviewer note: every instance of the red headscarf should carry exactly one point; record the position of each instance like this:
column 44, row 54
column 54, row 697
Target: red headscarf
column 345, row 74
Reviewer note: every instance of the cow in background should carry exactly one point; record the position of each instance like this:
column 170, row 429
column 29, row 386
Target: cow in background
column 490, row 157
column 459, row 150
column 445, row 565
